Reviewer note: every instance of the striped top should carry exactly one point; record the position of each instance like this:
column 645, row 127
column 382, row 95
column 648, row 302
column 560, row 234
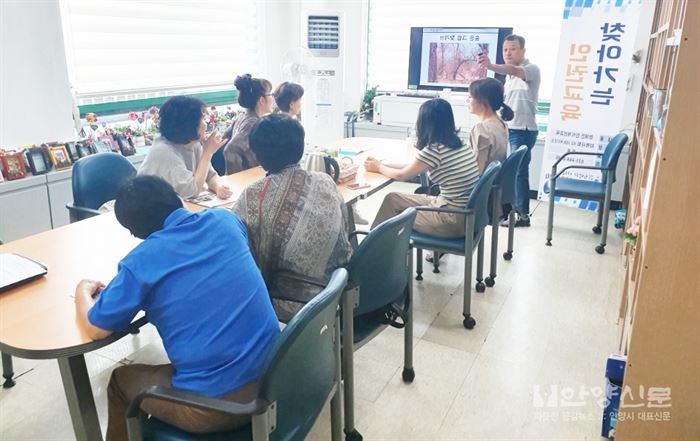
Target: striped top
column 456, row 170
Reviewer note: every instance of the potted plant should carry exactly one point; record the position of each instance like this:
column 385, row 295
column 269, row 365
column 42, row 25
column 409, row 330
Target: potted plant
column 367, row 105
column 137, row 136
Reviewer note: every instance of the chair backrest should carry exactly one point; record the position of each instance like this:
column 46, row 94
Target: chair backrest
column 508, row 173
column 97, row 178
column 300, row 368
column 379, row 265
column 479, row 197
column 612, row 153
column 218, row 161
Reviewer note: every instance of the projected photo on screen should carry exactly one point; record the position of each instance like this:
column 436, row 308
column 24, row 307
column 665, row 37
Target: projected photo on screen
column 449, row 57
column 455, row 63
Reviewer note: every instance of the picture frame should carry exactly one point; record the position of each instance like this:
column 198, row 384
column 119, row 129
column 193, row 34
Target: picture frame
column 110, row 137
column 13, row 166
column 84, row 149
column 39, row 160
column 60, row 157
column 72, row 151
column 102, row 146
column 125, row 145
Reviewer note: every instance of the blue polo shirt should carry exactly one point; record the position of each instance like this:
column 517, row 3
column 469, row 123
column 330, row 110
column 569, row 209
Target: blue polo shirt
column 200, row 287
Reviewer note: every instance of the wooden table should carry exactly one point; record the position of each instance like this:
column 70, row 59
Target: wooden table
column 37, row 320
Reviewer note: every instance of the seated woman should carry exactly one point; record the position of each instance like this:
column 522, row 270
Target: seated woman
column 295, row 218
column 178, row 156
column 489, row 137
column 254, row 94
column 288, row 98
column 448, row 163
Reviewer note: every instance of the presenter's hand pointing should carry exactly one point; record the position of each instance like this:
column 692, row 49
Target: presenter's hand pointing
column 484, row 61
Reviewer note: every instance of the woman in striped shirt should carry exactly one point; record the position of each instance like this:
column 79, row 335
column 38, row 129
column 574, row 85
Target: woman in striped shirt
column 448, row 163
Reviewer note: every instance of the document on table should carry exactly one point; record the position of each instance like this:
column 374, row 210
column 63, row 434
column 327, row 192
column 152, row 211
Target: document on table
column 16, row 269
column 209, row 199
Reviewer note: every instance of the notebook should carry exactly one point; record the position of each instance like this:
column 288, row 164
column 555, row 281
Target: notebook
column 16, row 269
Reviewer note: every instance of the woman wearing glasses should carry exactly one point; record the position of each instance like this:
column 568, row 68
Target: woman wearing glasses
column 255, row 95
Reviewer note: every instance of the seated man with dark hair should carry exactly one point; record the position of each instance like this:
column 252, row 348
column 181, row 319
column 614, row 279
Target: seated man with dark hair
column 196, row 280
column 295, row 218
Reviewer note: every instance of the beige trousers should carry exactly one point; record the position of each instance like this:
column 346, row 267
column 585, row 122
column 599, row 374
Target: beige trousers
column 129, row 381
column 428, row 222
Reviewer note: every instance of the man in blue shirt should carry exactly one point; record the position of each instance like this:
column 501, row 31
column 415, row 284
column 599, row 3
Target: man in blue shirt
column 196, row 279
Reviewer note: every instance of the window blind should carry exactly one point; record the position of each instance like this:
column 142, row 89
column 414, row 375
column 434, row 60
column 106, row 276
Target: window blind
column 390, row 22
column 134, row 49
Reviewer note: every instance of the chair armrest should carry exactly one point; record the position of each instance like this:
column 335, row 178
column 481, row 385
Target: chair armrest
column 554, row 166
column 463, row 211
column 356, row 232
column 85, row 210
column 163, row 393
column 584, row 167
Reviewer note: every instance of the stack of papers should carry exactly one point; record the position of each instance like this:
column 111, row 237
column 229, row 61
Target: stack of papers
column 208, row 199
column 16, row 269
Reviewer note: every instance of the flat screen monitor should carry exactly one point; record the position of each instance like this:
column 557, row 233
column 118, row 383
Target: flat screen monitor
column 442, row 58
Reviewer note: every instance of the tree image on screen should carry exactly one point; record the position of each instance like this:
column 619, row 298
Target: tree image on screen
column 455, row 63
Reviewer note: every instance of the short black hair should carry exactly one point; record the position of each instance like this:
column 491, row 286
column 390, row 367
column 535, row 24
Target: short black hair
column 277, row 141
column 251, row 89
column 179, row 119
column 518, row 38
column 286, row 93
column 436, row 125
column 143, row 203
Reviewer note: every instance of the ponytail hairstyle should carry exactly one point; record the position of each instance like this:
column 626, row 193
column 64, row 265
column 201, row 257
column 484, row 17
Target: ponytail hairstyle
column 489, row 92
column 436, row 125
column 250, row 90
column 286, row 93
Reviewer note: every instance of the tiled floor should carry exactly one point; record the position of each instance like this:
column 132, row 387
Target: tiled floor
column 532, row 368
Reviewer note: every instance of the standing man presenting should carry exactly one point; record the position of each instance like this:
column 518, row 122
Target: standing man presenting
column 521, row 89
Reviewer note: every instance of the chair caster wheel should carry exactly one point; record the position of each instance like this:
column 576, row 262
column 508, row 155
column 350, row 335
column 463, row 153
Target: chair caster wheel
column 548, row 243
column 135, row 331
column 436, row 270
column 9, row 382
column 419, row 277
column 469, row 322
column 490, row 281
column 597, row 229
column 480, row 287
column 508, row 255
column 408, row 375
column 353, row 436
column 600, row 249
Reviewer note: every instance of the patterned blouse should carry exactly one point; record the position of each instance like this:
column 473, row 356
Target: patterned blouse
column 296, row 224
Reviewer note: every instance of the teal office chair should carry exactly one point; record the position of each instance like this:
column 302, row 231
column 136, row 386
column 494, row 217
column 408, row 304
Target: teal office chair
column 502, row 192
column 219, row 162
column 477, row 217
column 96, row 180
column 588, row 190
column 301, row 372
column 379, row 292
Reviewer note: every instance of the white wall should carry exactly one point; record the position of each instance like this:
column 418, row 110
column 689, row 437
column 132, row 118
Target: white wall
column 35, row 99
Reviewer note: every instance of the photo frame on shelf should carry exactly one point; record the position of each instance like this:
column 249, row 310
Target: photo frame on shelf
column 110, row 137
column 125, row 146
column 72, row 151
column 60, row 157
column 39, row 160
column 13, row 166
column 84, row 149
column 102, row 146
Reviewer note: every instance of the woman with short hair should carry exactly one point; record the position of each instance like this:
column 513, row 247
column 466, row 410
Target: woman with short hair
column 295, row 218
column 288, row 98
column 182, row 153
column 255, row 95
column 448, row 163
